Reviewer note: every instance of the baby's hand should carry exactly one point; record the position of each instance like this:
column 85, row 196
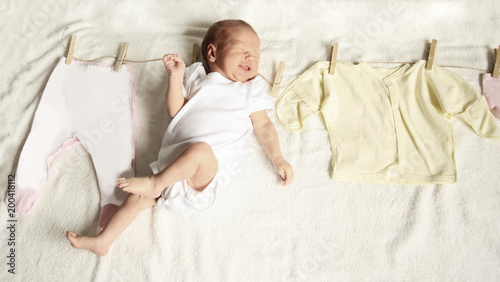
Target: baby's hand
column 284, row 169
column 174, row 65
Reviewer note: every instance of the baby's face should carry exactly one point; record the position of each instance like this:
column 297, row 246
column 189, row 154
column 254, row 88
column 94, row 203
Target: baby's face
column 238, row 59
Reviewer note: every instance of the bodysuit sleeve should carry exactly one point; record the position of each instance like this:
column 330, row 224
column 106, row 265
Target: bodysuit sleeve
column 192, row 73
column 260, row 98
column 301, row 100
column 458, row 98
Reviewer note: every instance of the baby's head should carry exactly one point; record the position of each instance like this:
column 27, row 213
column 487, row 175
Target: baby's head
column 232, row 48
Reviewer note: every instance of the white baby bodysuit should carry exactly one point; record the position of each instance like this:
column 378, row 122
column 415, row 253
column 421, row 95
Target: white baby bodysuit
column 218, row 113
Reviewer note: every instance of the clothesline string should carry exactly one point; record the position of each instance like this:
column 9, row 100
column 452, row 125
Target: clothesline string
column 283, row 86
column 103, row 57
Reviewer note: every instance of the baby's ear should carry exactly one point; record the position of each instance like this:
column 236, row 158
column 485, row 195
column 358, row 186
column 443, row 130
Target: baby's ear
column 211, row 53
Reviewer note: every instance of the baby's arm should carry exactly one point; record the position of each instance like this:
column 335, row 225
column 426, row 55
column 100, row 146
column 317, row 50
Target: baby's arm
column 174, row 100
column 268, row 137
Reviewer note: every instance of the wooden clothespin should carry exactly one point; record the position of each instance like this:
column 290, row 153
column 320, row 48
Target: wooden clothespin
column 333, row 60
column 432, row 52
column 496, row 67
column 71, row 50
column 277, row 79
column 196, row 53
column 121, row 57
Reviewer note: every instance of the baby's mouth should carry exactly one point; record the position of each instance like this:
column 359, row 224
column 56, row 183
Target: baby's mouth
column 245, row 67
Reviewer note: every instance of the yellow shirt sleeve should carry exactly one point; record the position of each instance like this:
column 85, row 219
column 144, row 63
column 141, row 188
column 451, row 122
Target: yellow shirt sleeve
column 458, row 98
column 301, row 100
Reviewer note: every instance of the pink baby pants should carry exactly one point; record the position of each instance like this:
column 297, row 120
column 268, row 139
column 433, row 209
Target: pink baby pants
column 82, row 103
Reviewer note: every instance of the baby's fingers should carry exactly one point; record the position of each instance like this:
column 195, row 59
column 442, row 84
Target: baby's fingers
column 286, row 174
column 167, row 57
column 170, row 58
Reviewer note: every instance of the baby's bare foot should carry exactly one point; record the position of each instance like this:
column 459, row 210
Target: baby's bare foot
column 144, row 186
column 92, row 244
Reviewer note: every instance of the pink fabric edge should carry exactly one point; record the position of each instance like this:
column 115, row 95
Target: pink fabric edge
column 134, row 109
column 487, row 95
column 24, row 200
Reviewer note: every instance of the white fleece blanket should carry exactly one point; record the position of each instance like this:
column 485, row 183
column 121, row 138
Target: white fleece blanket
column 316, row 229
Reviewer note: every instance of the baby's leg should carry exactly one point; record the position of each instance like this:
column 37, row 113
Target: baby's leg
column 123, row 217
column 197, row 164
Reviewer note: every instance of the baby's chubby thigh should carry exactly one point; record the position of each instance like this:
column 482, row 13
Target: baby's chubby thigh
column 203, row 155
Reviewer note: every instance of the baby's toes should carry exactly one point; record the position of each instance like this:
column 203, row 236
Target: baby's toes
column 122, row 182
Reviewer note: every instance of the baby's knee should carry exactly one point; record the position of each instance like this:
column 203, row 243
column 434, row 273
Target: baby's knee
column 201, row 149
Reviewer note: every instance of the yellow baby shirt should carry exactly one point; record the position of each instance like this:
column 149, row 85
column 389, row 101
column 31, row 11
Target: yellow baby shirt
column 387, row 125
